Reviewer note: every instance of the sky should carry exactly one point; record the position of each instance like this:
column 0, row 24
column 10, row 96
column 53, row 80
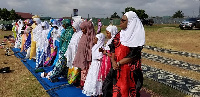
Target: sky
column 101, row 8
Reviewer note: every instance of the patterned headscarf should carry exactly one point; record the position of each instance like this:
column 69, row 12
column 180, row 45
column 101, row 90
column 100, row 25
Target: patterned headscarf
column 66, row 22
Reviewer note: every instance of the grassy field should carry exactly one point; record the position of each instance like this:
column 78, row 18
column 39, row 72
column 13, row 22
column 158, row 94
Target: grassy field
column 21, row 83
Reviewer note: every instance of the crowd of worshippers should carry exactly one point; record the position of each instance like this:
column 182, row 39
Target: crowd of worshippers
column 76, row 51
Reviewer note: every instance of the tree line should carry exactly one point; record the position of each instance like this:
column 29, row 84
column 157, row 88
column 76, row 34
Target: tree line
column 142, row 15
column 8, row 15
column 11, row 15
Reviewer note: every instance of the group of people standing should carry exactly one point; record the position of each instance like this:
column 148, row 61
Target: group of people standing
column 76, row 51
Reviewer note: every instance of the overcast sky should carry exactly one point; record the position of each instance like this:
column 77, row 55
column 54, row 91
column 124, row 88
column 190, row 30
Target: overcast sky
column 101, row 8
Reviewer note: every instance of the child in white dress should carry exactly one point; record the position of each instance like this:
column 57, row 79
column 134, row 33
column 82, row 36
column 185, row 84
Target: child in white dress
column 93, row 87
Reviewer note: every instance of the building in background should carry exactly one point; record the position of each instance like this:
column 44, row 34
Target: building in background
column 24, row 15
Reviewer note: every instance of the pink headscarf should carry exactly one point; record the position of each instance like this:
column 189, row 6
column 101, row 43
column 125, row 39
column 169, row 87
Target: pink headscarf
column 84, row 51
column 91, row 35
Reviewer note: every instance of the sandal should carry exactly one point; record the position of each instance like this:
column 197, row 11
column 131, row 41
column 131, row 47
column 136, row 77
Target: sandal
column 5, row 70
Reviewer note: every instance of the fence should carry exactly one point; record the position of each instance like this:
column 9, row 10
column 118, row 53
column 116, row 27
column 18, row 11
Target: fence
column 106, row 21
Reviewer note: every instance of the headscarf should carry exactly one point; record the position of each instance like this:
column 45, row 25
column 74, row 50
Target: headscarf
column 90, row 38
column 84, row 51
column 54, row 22
column 76, row 25
column 37, row 20
column 134, row 34
column 45, row 24
column 95, row 49
column 30, row 22
column 113, row 30
column 66, row 22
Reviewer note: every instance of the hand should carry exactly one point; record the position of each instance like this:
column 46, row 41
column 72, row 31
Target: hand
column 109, row 55
column 101, row 50
column 114, row 65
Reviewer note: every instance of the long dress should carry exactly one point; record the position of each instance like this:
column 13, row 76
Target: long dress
column 42, row 45
column 73, row 72
column 126, row 81
column 93, row 87
column 33, row 43
column 105, row 67
column 61, row 63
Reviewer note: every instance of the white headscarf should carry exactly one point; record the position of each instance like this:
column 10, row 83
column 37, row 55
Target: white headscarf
column 54, row 23
column 95, row 49
column 113, row 30
column 37, row 20
column 134, row 34
column 45, row 24
column 76, row 25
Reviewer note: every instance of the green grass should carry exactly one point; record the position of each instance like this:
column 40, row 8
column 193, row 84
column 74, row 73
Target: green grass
column 162, row 89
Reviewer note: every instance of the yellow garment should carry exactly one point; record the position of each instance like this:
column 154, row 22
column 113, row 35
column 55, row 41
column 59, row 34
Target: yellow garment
column 14, row 31
column 23, row 41
column 33, row 49
column 72, row 75
column 33, row 44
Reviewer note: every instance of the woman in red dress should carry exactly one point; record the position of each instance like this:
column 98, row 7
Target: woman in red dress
column 126, row 56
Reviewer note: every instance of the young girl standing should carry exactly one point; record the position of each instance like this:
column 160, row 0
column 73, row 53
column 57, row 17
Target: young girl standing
column 93, row 87
column 106, row 61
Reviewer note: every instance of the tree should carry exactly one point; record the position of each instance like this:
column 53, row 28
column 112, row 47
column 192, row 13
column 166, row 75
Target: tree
column 178, row 14
column 5, row 14
column 114, row 15
column 140, row 13
column 8, row 15
column 127, row 9
column 13, row 15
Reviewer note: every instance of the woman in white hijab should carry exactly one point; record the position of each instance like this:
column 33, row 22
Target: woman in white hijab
column 73, row 45
column 126, row 56
column 42, row 45
column 93, row 87
column 73, row 72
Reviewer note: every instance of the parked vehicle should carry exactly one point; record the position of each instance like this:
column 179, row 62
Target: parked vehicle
column 190, row 23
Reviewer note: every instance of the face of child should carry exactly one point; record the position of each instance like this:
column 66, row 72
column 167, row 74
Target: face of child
column 108, row 34
column 95, row 40
column 74, row 29
column 84, row 30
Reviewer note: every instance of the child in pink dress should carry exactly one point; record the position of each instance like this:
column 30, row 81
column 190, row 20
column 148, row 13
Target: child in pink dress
column 106, row 61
